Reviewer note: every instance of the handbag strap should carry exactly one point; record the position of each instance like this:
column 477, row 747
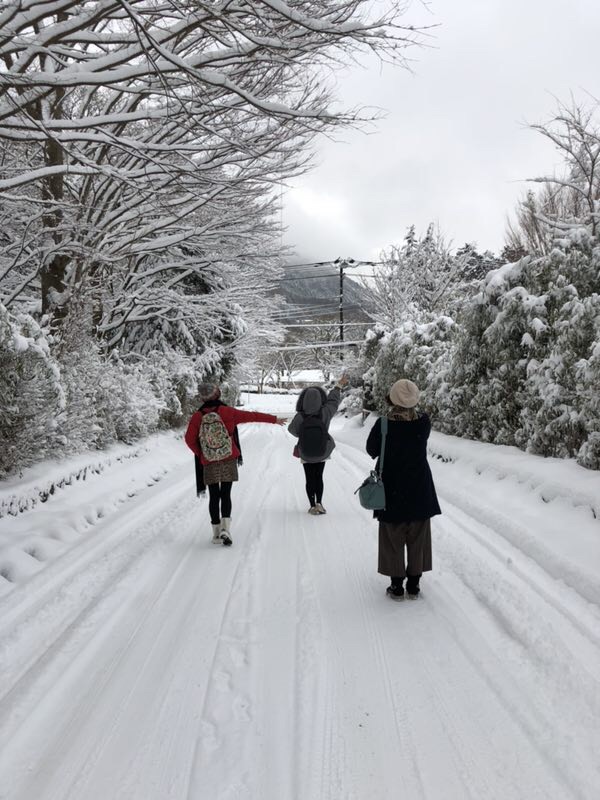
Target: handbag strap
column 384, row 427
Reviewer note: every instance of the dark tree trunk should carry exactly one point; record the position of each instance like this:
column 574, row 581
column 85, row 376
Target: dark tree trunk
column 53, row 273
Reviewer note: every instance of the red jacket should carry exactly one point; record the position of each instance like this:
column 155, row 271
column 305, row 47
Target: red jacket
column 231, row 417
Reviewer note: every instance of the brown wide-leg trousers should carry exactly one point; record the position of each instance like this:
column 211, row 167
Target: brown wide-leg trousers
column 394, row 537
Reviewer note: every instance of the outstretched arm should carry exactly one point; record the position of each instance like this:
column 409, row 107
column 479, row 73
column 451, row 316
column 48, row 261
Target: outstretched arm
column 239, row 417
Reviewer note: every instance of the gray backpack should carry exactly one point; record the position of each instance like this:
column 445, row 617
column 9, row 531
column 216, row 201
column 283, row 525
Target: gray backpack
column 313, row 436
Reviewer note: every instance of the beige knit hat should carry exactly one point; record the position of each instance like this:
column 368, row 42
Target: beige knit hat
column 404, row 393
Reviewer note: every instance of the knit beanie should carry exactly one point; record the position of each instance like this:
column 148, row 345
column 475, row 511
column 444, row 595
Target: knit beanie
column 404, row 393
column 311, row 400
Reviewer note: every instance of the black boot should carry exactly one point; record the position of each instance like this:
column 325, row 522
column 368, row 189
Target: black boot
column 412, row 585
column 395, row 589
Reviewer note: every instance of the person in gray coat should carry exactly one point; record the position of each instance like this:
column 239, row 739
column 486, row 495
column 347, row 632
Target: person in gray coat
column 314, row 412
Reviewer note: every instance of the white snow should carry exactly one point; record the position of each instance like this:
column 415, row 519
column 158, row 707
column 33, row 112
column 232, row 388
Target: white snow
column 308, row 375
column 279, row 404
column 278, row 382
column 140, row 662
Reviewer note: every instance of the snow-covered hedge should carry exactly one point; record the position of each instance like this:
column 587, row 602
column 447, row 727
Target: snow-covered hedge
column 71, row 398
column 31, row 393
column 521, row 365
column 525, row 369
column 421, row 351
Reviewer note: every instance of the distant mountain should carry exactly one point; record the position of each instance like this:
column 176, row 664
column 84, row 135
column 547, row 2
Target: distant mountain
column 320, row 286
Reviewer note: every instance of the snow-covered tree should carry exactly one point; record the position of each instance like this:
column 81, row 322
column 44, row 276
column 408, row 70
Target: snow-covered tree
column 141, row 150
column 569, row 198
column 31, row 393
column 421, row 275
column 588, row 381
column 473, row 265
column 490, row 358
column 149, row 127
column 525, row 361
column 575, row 133
column 419, row 351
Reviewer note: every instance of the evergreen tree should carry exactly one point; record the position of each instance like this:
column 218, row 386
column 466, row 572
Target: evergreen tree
column 31, row 393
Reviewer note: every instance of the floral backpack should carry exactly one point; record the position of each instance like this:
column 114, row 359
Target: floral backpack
column 215, row 441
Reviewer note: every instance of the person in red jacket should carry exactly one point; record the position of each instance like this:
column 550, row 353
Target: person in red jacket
column 218, row 460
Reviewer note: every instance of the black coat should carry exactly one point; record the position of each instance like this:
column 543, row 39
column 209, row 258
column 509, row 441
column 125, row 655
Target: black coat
column 409, row 490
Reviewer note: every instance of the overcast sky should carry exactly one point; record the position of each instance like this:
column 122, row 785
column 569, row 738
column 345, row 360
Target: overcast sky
column 454, row 147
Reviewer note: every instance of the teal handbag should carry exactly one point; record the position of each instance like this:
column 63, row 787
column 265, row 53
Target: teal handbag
column 371, row 492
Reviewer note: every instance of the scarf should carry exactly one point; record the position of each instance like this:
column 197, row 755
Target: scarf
column 400, row 414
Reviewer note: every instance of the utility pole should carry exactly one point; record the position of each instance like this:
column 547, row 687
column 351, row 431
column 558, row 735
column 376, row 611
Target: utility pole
column 342, row 263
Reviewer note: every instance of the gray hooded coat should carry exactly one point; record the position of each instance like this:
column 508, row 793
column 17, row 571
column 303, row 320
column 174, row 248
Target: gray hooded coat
column 313, row 400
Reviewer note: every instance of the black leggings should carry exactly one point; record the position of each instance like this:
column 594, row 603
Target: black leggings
column 219, row 501
column 314, row 481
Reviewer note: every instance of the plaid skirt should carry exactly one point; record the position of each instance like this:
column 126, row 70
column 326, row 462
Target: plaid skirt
column 221, row 471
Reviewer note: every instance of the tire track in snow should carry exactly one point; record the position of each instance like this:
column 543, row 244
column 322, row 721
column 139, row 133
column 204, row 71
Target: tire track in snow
column 544, row 659
column 564, row 601
column 364, row 692
column 285, row 650
column 513, row 532
column 284, row 682
column 90, row 618
column 118, row 530
column 223, row 761
column 321, row 769
column 47, row 627
column 76, row 660
column 395, row 692
column 357, row 458
column 579, row 613
column 320, row 766
column 107, row 698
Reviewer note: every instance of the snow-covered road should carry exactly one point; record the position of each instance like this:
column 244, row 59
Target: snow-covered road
column 141, row 662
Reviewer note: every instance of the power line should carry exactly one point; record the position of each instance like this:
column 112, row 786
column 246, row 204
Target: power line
column 351, row 262
column 324, row 319
column 310, row 304
column 312, row 271
column 320, row 322
column 327, row 309
column 307, row 277
column 306, row 306
column 320, row 345
column 335, row 261
column 308, row 268
column 325, row 275
column 308, row 264
column 323, row 324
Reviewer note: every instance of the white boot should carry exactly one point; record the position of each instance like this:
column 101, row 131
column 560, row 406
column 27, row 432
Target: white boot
column 226, row 530
column 216, row 529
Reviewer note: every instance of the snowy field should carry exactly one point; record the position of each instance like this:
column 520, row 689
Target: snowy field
column 141, row 662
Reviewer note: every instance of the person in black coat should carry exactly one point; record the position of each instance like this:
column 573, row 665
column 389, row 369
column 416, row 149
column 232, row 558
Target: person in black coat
column 410, row 497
